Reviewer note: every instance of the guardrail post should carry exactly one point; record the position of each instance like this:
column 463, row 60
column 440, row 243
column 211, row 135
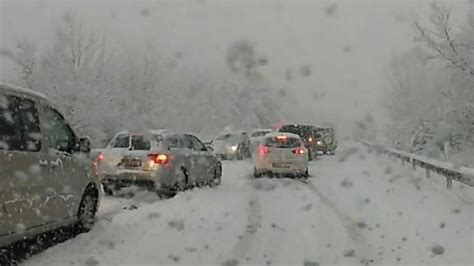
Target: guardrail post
column 428, row 173
column 449, row 182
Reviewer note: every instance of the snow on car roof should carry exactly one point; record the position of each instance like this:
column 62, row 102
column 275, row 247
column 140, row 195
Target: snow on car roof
column 11, row 87
column 152, row 131
column 159, row 131
column 262, row 129
column 236, row 132
column 325, row 126
column 275, row 134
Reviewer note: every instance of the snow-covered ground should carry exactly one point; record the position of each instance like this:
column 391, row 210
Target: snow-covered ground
column 358, row 208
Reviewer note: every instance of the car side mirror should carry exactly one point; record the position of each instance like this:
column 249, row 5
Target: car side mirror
column 208, row 143
column 209, row 148
column 85, row 144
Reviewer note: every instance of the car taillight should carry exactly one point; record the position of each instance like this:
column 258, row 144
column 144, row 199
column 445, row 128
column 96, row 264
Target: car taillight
column 100, row 156
column 263, row 150
column 159, row 158
column 299, row 151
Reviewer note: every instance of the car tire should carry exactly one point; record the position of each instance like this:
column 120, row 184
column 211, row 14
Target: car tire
column 182, row 180
column 87, row 210
column 108, row 190
column 217, row 180
column 306, row 174
column 256, row 173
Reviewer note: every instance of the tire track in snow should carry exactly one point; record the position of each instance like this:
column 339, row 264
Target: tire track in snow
column 114, row 205
column 359, row 242
column 254, row 223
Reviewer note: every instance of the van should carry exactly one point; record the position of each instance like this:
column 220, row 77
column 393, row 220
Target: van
column 47, row 180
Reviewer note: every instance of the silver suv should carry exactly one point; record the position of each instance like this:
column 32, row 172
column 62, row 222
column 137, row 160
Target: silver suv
column 46, row 177
column 159, row 160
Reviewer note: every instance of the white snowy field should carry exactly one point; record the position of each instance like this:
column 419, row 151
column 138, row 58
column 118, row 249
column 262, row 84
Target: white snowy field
column 358, row 208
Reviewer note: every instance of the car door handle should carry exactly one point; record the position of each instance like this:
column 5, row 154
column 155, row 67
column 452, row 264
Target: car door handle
column 43, row 163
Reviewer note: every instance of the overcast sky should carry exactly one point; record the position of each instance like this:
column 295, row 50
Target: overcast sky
column 346, row 43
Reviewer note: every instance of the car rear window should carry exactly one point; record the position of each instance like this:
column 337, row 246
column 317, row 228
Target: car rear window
column 259, row 133
column 324, row 131
column 300, row 130
column 121, row 141
column 290, row 142
column 140, row 142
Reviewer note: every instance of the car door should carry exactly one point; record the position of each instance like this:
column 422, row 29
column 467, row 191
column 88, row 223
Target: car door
column 203, row 159
column 67, row 173
column 174, row 143
column 192, row 159
column 23, row 167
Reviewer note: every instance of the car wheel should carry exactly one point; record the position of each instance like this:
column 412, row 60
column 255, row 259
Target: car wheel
column 182, row 180
column 87, row 210
column 108, row 190
column 256, row 173
column 217, row 177
column 306, row 173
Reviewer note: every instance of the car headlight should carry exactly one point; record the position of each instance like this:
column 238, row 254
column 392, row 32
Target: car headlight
column 233, row 148
column 319, row 142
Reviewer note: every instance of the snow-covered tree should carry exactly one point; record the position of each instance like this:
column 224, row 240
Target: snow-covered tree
column 252, row 98
column 431, row 100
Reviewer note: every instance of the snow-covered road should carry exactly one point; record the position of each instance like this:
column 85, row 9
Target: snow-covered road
column 358, row 208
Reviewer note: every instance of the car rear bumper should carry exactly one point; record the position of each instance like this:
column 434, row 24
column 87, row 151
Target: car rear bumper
column 148, row 179
column 324, row 149
column 294, row 167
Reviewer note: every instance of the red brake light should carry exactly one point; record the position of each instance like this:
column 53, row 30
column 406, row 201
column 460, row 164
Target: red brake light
column 263, row 150
column 159, row 158
column 299, row 151
column 100, row 156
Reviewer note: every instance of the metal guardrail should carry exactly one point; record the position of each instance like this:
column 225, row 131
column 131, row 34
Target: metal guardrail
column 448, row 170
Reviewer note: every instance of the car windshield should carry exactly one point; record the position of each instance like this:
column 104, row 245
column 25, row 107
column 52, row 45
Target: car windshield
column 237, row 132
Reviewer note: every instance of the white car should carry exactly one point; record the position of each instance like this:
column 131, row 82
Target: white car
column 159, row 160
column 281, row 154
column 232, row 145
column 46, row 178
column 256, row 137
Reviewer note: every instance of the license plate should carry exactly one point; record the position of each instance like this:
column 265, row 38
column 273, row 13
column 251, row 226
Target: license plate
column 133, row 163
column 281, row 165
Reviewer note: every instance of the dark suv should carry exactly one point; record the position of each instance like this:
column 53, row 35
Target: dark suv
column 306, row 133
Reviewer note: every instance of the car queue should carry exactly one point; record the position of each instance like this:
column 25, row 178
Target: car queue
column 51, row 178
